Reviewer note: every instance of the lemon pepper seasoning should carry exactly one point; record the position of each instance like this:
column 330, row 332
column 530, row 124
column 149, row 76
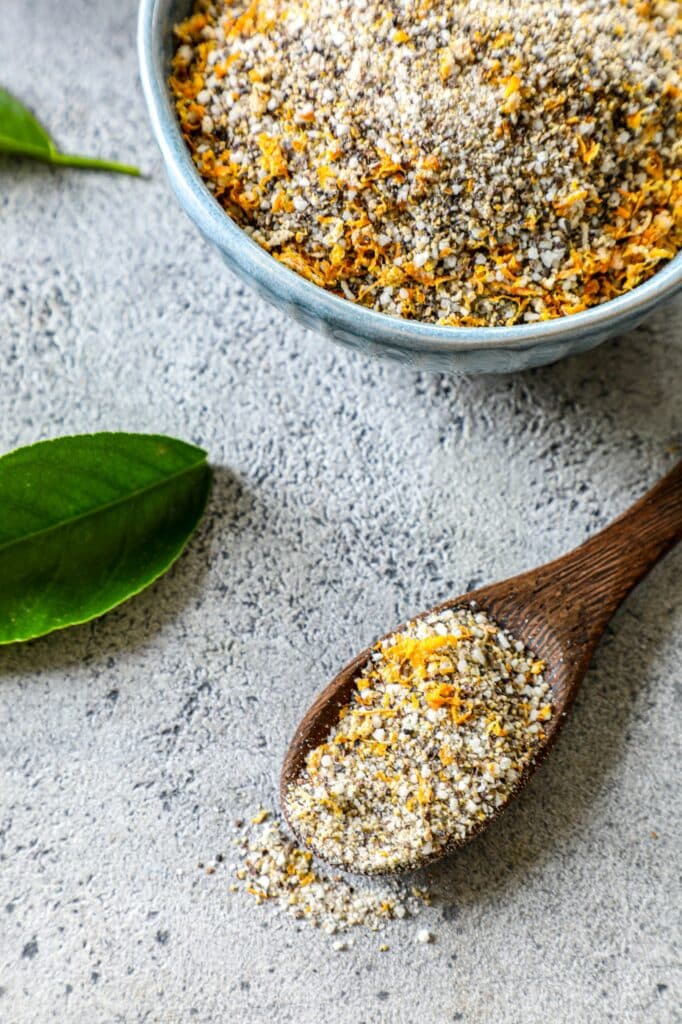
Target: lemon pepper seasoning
column 443, row 720
column 470, row 162
column 274, row 869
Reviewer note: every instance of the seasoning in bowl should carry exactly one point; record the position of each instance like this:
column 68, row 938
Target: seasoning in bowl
column 443, row 720
column 468, row 162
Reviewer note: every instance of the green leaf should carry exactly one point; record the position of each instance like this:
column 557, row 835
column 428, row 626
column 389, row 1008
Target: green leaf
column 89, row 521
column 22, row 135
column 20, row 132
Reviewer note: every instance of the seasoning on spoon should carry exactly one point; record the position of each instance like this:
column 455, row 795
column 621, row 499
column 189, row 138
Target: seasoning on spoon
column 444, row 718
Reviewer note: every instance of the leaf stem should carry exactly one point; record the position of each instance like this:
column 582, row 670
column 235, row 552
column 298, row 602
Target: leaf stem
column 93, row 163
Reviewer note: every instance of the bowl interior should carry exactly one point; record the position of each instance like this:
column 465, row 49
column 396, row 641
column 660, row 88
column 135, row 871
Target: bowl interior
column 319, row 309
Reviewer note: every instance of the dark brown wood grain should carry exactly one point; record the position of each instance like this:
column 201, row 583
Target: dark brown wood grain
column 559, row 611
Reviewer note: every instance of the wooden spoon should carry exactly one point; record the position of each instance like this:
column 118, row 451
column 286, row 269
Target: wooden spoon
column 559, row 611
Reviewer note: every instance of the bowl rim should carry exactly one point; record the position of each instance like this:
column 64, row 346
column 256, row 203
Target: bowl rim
column 295, row 290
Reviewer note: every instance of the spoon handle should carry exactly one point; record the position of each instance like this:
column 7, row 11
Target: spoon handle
column 594, row 579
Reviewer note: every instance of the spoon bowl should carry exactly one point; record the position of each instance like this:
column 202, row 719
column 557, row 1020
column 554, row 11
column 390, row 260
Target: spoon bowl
column 559, row 611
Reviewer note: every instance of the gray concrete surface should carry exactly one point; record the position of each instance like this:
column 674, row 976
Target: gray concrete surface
column 348, row 495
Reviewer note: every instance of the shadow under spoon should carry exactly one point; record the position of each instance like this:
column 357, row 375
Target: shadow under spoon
column 559, row 611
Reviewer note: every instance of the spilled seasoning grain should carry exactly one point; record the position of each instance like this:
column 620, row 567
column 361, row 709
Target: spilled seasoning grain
column 273, row 869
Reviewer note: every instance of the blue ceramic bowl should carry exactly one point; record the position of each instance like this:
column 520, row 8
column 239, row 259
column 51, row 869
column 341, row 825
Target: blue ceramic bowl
column 426, row 346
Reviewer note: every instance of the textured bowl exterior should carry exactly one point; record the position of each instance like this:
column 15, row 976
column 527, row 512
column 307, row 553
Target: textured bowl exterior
column 424, row 346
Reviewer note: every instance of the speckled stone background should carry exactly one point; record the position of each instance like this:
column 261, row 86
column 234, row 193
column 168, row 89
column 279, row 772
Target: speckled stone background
column 348, row 494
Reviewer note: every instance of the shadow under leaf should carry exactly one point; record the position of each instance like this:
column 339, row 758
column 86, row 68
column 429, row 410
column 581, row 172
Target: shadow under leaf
column 136, row 621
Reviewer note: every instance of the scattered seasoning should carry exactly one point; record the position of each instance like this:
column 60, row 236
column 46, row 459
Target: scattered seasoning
column 274, row 869
column 468, row 162
column 443, row 720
